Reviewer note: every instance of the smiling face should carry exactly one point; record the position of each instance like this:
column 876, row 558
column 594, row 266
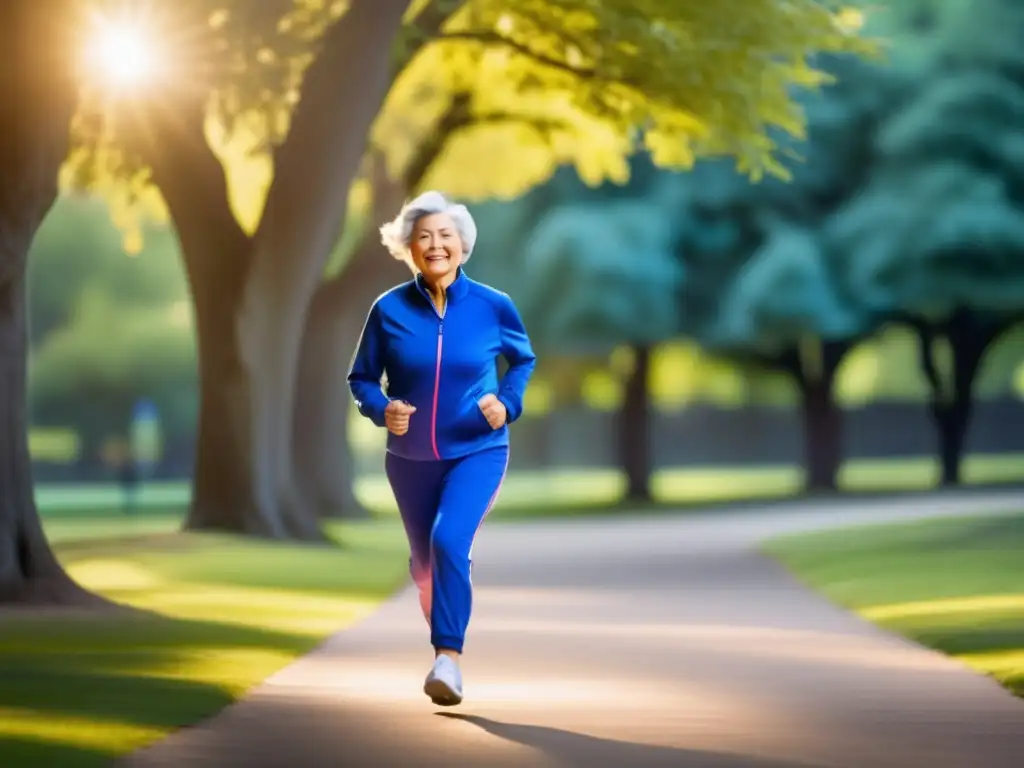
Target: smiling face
column 436, row 248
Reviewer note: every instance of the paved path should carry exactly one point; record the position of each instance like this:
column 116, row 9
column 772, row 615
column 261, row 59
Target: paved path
column 644, row 642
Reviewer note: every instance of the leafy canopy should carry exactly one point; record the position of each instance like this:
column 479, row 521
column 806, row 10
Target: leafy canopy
column 931, row 241
column 786, row 293
column 551, row 82
column 597, row 276
column 586, row 83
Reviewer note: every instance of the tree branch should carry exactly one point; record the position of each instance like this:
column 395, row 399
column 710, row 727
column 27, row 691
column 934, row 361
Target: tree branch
column 388, row 193
column 926, row 349
column 488, row 37
column 458, row 117
column 341, row 95
column 423, row 30
column 193, row 184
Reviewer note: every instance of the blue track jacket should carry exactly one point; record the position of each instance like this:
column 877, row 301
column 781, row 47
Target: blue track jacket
column 442, row 365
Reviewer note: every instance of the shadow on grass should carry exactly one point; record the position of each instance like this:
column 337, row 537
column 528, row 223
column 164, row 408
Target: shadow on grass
column 570, row 748
column 1001, row 532
column 124, row 671
column 988, row 638
column 21, row 752
column 124, row 696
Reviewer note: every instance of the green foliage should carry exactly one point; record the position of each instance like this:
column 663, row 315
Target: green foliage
column 576, row 82
column 569, row 81
column 784, row 294
column 77, row 246
column 758, row 276
column 938, row 226
column 930, row 241
column 903, row 198
column 972, row 116
column 602, row 275
column 243, row 60
column 110, row 356
column 107, row 328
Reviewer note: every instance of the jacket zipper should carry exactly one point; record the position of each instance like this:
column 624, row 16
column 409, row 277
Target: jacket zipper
column 437, row 387
column 437, row 370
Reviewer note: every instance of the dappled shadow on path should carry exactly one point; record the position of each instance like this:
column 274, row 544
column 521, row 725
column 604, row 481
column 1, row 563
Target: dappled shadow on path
column 571, row 748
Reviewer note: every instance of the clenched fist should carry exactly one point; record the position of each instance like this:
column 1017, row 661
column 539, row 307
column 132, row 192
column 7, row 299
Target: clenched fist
column 493, row 410
column 396, row 416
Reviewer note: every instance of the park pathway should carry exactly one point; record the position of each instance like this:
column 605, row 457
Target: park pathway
column 651, row 641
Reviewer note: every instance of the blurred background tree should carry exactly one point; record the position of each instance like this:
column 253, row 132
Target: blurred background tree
column 599, row 278
column 108, row 328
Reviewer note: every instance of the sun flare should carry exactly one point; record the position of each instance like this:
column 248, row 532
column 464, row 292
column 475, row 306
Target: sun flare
column 122, row 55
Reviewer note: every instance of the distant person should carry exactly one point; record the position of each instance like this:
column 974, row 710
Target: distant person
column 128, row 476
column 437, row 339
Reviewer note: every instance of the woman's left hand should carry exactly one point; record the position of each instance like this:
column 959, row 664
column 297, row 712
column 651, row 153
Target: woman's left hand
column 493, row 410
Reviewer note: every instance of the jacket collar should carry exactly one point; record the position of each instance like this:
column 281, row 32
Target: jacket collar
column 458, row 288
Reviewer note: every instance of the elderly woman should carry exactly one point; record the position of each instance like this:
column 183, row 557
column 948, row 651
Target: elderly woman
column 437, row 339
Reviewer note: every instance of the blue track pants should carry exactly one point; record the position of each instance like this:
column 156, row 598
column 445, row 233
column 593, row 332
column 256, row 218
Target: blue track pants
column 442, row 504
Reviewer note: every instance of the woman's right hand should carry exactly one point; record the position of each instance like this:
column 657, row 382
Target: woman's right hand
column 396, row 416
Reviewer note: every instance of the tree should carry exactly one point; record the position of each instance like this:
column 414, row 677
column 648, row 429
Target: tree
column 940, row 249
column 936, row 236
column 110, row 355
column 107, row 328
column 761, row 287
column 38, row 89
column 600, row 276
column 786, row 311
column 598, row 67
column 251, row 291
column 78, row 248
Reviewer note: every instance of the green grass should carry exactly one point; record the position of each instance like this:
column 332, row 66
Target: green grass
column 219, row 615
column 537, row 493
column 955, row 585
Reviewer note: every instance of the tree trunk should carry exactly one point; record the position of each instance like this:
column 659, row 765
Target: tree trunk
column 251, row 294
column 813, row 364
column 216, row 254
column 951, row 422
column 970, row 335
column 37, row 87
column 633, row 428
column 822, row 428
column 29, row 571
column 222, row 490
column 342, row 92
column 324, row 464
column 822, row 418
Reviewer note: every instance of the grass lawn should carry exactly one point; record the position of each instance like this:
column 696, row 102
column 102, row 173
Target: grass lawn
column 221, row 615
column 533, row 494
column 956, row 585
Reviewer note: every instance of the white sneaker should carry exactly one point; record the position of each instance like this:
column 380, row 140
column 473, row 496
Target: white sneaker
column 444, row 683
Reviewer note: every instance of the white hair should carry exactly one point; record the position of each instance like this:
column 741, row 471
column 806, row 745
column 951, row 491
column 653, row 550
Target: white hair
column 396, row 235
